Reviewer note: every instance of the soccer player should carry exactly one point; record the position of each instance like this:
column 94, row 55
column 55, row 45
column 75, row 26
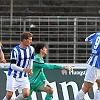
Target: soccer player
column 93, row 68
column 20, row 67
column 38, row 81
column 2, row 58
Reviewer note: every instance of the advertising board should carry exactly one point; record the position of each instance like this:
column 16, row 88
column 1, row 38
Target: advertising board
column 66, row 84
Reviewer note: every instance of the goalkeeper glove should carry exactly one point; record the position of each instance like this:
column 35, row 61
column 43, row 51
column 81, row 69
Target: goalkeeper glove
column 68, row 67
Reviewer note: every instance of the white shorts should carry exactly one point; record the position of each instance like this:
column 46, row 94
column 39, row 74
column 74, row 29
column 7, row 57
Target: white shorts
column 92, row 74
column 13, row 83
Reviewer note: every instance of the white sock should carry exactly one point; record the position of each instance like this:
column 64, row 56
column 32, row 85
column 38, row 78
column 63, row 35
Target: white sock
column 5, row 98
column 20, row 97
column 97, row 95
column 80, row 95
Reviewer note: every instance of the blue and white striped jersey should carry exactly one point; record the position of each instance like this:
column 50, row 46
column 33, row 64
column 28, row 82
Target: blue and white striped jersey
column 1, row 46
column 94, row 59
column 23, row 59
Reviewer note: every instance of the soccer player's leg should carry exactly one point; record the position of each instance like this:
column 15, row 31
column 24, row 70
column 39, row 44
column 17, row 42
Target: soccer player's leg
column 29, row 97
column 97, row 93
column 80, row 95
column 49, row 97
column 49, row 90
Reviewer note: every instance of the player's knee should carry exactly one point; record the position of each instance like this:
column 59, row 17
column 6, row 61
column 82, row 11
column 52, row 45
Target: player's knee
column 9, row 95
column 51, row 91
column 25, row 95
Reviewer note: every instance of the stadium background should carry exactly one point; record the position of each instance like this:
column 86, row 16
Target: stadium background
column 61, row 24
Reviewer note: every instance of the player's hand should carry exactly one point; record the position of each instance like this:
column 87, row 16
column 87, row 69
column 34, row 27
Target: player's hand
column 3, row 61
column 30, row 73
column 27, row 69
column 46, row 83
column 68, row 67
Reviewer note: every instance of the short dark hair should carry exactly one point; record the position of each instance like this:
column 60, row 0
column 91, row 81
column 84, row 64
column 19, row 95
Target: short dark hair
column 39, row 46
column 26, row 35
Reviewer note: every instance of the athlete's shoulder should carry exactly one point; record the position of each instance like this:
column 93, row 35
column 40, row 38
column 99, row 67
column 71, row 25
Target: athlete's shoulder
column 32, row 47
column 16, row 47
column 97, row 34
column 37, row 58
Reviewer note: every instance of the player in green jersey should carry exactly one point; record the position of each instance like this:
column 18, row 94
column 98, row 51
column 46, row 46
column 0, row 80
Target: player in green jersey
column 38, row 82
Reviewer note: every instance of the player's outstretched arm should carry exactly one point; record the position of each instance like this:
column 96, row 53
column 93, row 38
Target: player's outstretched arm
column 47, row 65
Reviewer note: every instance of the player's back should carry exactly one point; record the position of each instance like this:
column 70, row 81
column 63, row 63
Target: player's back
column 94, row 59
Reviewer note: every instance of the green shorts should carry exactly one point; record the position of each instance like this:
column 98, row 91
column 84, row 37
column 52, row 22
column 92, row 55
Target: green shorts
column 36, row 84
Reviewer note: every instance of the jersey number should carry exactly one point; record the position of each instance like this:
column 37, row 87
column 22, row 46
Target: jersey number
column 97, row 42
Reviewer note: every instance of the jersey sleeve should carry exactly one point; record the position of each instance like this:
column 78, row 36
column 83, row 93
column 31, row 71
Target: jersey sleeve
column 47, row 65
column 89, row 38
column 13, row 54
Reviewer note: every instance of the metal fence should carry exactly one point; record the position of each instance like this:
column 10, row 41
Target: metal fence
column 63, row 35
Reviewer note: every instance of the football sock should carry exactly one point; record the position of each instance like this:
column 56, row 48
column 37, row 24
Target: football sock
column 80, row 95
column 49, row 97
column 19, row 97
column 97, row 95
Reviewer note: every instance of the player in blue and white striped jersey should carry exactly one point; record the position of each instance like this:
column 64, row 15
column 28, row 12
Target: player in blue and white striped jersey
column 93, row 68
column 94, row 59
column 20, row 67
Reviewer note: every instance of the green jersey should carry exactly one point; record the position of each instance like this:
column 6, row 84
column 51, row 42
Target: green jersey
column 38, row 66
column 36, row 81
